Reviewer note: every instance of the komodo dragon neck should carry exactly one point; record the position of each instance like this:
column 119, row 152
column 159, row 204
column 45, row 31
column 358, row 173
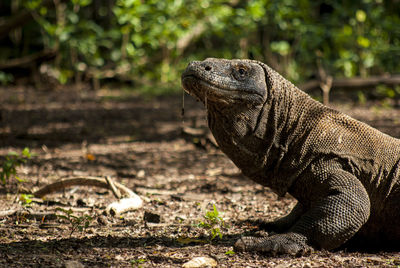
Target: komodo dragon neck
column 258, row 139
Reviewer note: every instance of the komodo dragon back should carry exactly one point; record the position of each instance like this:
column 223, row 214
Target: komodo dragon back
column 344, row 174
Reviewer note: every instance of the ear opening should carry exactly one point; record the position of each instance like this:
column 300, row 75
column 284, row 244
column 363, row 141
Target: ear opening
column 267, row 74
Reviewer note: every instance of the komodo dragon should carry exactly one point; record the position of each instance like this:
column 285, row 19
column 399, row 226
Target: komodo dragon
column 344, row 174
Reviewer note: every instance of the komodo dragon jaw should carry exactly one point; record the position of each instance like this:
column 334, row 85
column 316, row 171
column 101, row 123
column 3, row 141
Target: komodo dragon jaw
column 227, row 81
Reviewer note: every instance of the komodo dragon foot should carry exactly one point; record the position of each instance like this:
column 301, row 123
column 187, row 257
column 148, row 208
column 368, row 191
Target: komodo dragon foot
column 289, row 243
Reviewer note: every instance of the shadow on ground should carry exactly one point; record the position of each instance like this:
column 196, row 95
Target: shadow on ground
column 37, row 120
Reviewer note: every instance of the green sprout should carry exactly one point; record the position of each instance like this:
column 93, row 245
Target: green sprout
column 10, row 164
column 212, row 222
column 137, row 262
column 230, row 253
column 77, row 222
column 26, row 199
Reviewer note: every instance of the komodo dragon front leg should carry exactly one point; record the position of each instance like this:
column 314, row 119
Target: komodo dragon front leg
column 342, row 208
column 284, row 223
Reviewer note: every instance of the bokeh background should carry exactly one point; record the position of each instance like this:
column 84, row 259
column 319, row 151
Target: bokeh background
column 147, row 44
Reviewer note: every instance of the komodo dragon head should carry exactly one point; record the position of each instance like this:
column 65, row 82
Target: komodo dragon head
column 237, row 96
column 224, row 81
column 254, row 113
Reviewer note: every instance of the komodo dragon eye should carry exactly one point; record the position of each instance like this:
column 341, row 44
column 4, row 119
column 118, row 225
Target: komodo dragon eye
column 240, row 73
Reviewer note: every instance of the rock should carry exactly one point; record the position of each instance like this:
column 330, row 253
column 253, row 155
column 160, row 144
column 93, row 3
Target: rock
column 151, row 217
column 141, row 174
column 81, row 203
column 73, row 264
column 200, row 262
column 102, row 220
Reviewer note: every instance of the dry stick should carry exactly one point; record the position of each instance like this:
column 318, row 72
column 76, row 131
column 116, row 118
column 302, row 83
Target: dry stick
column 30, row 214
column 355, row 82
column 83, row 181
column 26, row 61
column 326, row 86
column 131, row 202
column 7, row 213
column 23, row 17
column 183, row 106
column 326, row 82
column 114, row 189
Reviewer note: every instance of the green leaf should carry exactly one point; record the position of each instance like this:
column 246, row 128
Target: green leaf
column 281, row 47
column 19, row 179
column 230, row 252
column 361, row 15
column 63, row 217
column 362, row 41
column 26, row 198
column 215, row 211
column 256, row 10
column 32, row 4
column 73, row 18
column 12, row 153
column 26, row 152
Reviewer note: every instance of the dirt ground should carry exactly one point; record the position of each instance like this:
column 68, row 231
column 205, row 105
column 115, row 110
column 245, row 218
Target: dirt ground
column 139, row 142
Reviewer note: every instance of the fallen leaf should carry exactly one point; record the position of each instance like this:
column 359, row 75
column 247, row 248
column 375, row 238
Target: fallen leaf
column 90, row 157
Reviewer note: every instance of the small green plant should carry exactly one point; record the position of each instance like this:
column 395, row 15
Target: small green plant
column 137, row 262
column 362, row 99
column 383, row 91
column 5, row 78
column 26, row 199
column 77, row 222
column 213, row 223
column 230, row 253
column 10, row 164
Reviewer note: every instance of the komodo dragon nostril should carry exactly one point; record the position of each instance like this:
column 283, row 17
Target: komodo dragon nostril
column 208, row 68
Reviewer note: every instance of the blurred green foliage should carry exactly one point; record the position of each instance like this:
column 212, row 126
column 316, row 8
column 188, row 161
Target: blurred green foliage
column 150, row 42
column 10, row 164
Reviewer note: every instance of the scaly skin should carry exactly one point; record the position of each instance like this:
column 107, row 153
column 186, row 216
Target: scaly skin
column 344, row 174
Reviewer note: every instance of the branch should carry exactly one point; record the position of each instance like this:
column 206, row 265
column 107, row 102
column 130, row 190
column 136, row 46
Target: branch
column 196, row 31
column 83, row 181
column 325, row 81
column 113, row 188
column 355, row 82
column 131, row 202
column 14, row 22
column 20, row 19
column 7, row 213
column 26, row 61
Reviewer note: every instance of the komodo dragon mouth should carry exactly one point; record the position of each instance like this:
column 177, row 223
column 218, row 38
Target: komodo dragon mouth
column 201, row 89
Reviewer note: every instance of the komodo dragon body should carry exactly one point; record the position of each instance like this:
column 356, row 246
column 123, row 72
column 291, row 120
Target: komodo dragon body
column 344, row 174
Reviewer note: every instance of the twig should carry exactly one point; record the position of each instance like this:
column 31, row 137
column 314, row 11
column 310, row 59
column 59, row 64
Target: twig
column 114, row 189
column 7, row 213
column 20, row 19
column 26, row 61
column 83, row 181
column 131, row 202
column 325, row 83
column 355, row 82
